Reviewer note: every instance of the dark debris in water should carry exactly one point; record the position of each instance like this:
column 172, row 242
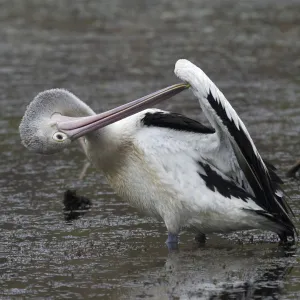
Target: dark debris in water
column 75, row 206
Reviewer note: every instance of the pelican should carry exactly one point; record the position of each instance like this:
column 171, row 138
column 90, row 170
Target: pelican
column 209, row 179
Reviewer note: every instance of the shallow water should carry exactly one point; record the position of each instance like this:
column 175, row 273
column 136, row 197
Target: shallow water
column 111, row 52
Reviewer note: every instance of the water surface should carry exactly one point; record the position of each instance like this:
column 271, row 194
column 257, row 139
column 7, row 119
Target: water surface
column 111, row 52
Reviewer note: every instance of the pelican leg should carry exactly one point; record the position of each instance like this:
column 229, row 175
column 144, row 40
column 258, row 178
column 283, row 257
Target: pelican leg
column 172, row 241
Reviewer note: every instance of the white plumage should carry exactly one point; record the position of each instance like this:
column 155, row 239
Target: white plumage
column 171, row 168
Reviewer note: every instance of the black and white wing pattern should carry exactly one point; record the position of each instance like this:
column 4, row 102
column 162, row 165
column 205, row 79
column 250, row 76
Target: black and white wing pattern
column 261, row 177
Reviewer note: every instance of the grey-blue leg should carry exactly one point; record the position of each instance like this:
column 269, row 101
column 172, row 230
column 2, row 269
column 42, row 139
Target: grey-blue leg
column 172, row 241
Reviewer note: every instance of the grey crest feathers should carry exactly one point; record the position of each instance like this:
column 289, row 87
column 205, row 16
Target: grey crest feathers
column 36, row 128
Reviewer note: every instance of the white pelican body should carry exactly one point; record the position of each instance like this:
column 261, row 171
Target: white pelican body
column 157, row 170
column 176, row 169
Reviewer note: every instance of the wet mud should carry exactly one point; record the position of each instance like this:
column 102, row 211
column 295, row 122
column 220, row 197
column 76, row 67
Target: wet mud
column 109, row 53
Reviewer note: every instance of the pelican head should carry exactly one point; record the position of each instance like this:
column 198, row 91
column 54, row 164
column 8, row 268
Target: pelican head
column 56, row 117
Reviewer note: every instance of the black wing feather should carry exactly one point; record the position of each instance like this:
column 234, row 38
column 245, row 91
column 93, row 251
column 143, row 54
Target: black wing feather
column 272, row 171
column 263, row 183
column 225, row 187
column 175, row 121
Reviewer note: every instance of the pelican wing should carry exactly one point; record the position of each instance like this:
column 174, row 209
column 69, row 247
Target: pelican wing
column 262, row 180
column 175, row 121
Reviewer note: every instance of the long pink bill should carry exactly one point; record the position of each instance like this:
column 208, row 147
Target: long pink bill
column 77, row 127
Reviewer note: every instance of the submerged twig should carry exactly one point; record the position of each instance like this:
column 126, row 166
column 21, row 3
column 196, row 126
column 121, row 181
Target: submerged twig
column 293, row 170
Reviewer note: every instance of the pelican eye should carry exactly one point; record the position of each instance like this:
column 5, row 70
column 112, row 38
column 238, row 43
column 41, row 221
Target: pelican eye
column 59, row 136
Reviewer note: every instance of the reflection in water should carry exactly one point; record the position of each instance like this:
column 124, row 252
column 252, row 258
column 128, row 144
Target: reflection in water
column 74, row 205
column 224, row 275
